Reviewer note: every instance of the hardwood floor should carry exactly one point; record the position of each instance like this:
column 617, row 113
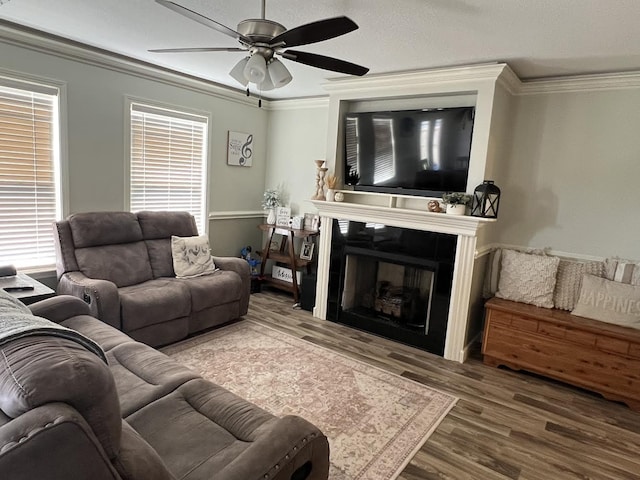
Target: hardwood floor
column 506, row 425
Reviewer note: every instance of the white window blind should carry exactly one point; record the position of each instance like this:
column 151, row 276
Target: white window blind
column 29, row 162
column 168, row 161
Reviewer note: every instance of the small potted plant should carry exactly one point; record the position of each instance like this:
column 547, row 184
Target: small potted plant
column 332, row 183
column 456, row 202
column 270, row 201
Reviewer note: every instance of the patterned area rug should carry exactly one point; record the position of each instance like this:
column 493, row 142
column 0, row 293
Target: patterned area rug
column 375, row 421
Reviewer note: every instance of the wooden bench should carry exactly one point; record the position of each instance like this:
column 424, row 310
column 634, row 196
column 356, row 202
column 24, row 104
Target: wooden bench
column 598, row 356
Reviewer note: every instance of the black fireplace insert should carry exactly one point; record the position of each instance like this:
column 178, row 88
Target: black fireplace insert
column 392, row 281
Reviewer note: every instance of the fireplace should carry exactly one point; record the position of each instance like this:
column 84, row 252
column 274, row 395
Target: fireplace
column 395, row 282
column 386, row 226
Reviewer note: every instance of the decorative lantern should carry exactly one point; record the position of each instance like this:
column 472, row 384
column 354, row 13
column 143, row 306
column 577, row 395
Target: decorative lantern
column 486, row 200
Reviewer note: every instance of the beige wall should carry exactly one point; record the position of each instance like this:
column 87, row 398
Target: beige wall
column 96, row 138
column 572, row 174
column 297, row 137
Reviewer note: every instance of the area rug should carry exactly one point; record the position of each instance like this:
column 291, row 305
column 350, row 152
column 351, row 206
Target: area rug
column 375, row 420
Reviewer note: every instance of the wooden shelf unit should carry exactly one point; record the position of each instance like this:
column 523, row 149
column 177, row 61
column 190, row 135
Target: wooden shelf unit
column 287, row 256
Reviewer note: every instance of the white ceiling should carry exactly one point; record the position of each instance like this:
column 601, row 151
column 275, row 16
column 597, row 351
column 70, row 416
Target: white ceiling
column 537, row 38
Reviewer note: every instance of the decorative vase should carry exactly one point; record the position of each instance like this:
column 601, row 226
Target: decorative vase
column 330, row 194
column 456, row 209
column 338, row 197
column 271, row 217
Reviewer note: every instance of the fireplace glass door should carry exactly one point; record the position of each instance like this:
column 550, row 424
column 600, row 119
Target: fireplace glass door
column 391, row 281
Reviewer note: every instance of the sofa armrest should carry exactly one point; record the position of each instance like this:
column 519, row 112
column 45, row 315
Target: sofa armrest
column 60, row 308
column 101, row 296
column 290, row 448
column 241, row 267
column 62, row 442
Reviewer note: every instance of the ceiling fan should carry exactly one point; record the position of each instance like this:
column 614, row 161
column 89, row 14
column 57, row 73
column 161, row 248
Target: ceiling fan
column 264, row 39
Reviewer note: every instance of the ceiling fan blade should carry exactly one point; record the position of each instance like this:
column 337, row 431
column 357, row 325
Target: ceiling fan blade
column 203, row 20
column 326, row 63
column 314, row 32
column 198, row 49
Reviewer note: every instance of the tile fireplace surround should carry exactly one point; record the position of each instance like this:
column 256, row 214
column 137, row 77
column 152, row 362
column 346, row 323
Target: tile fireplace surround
column 466, row 229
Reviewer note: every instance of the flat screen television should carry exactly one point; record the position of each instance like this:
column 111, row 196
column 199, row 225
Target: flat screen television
column 415, row 152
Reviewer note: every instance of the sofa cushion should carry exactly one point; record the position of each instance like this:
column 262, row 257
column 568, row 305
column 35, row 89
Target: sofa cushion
column 609, row 301
column 191, row 256
column 156, row 225
column 142, row 375
column 41, row 370
column 160, row 257
column 212, row 426
column 153, row 302
column 92, row 229
column 220, row 287
column 527, row 278
column 157, row 229
column 124, row 264
column 104, row 335
column 137, row 459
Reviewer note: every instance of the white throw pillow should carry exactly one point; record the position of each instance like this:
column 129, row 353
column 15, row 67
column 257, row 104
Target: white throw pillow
column 191, row 256
column 609, row 301
column 528, row 278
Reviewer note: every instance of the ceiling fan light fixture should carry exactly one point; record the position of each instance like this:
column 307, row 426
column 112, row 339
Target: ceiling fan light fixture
column 279, row 74
column 267, row 84
column 237, row 72
column 255, row 70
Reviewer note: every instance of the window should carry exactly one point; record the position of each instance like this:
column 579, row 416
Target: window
column 168, row 161
column 30, row 199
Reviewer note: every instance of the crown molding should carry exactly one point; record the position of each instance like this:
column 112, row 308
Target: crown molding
column 474, row 73
column 298, row 103
column 35, row 40
column 581, row 83
column 509, row 81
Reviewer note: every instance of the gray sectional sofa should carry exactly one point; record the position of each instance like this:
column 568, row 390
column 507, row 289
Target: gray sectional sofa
column 121, row 264
column 65, row 413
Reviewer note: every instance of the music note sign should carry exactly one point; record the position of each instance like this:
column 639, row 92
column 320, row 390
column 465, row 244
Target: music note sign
column 240, row 149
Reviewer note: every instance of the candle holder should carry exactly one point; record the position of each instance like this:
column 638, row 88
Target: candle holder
column 320, row 174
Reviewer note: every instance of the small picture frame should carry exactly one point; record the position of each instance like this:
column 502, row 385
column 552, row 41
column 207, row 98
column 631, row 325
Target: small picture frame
column 278, row 242
column 308, row 221
column 283, row 216
column 306, row 252
column 315, row 223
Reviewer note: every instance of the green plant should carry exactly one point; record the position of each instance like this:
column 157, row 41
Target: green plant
column 456, row 198
column 271, row 199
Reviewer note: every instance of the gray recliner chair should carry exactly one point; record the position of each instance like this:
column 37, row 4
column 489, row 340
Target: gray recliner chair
column 66, row 413
column 120, row 263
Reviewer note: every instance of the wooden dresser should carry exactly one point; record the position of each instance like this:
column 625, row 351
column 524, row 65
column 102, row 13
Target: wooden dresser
column 598, row 356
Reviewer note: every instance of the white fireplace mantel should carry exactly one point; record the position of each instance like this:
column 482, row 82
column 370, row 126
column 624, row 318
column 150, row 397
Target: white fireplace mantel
column 403, row 217
column 465, row 227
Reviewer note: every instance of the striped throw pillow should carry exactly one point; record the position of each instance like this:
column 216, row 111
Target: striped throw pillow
column 623, row 271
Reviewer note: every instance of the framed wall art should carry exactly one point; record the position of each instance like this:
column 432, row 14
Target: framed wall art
column 240, row 149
